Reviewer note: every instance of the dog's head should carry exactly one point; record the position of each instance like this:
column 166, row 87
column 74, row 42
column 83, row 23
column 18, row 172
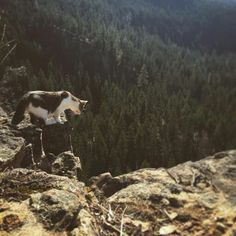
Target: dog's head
column 82, row 105
column 75, row 104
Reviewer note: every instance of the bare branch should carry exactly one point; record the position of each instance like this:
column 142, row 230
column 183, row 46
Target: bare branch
column 7, row 43
column 193, row 177
column 172, row 176
column 122, row 222
column 110, row 226
column 3, row 33
column 14, row 46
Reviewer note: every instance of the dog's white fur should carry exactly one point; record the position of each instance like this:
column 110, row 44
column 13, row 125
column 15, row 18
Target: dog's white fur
column 52, row 118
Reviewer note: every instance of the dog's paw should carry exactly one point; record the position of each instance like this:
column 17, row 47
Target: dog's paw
column 59, row 121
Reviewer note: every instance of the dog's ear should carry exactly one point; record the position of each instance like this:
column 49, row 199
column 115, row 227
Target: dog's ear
column 64, row 94
column 84, row 102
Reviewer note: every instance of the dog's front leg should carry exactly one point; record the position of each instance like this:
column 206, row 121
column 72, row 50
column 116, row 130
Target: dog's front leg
column 58, row 119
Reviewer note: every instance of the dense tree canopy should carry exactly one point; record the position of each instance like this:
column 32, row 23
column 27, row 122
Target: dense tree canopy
column 160, row 75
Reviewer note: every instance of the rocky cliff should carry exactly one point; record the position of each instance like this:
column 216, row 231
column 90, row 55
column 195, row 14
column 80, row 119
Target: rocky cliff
column 42, row 194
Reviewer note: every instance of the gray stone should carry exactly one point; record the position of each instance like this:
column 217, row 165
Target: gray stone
column 66, row 164
column 56, row 209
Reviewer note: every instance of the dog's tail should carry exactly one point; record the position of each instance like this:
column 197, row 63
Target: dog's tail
column 20, row 110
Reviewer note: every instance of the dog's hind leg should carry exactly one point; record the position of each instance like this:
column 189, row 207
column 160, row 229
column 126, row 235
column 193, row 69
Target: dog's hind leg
column 41, row 122
column 33, row 119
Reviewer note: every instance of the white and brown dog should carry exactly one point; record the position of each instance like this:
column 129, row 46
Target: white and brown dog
column 43, row 105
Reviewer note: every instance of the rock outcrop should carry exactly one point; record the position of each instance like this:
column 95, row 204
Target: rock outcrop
column 47, row 198
column 29, row 147
column 193, row 198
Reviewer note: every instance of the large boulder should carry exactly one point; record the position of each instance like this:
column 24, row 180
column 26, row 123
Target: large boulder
column 37, row 203
column 55, row 138
column 193, row 198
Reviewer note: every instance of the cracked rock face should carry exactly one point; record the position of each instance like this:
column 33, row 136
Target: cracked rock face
column 33, row 202
column 61, row 136
column 11, row 147
column 193, row 198
column 189, row 199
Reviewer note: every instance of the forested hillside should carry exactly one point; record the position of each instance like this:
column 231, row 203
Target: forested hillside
column 160, row 75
